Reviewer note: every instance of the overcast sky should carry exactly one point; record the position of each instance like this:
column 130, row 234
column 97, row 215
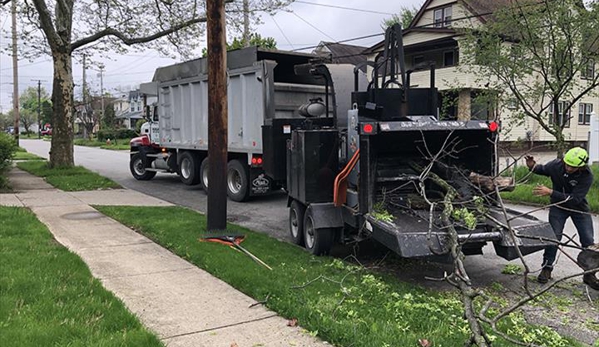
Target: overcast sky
column 304, row 24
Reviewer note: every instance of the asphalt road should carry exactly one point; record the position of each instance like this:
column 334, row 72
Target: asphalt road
column 269, row 214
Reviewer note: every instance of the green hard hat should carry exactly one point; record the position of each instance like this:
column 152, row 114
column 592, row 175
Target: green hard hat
column 576, row 157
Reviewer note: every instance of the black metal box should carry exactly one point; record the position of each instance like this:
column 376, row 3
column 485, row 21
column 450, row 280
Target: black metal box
column 312, row 164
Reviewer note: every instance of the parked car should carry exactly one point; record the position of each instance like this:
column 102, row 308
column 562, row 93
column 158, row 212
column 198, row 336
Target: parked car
column 47, row 132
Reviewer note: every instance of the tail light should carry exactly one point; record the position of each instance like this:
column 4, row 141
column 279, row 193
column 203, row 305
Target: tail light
column 256, row 161
column 493, row 126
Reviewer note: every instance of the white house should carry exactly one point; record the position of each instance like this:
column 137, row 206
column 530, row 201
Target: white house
column 434, row 35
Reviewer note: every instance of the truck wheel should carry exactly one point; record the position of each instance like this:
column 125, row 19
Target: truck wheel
column 237, row 181
column 189, row 169
column 204, row 175
column 317, row 241
column 138, row 166
column 296, row 222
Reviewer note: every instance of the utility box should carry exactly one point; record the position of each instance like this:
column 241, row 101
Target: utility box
column 312, row 164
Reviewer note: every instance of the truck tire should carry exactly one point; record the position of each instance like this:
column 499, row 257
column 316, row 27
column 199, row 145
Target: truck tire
column 317, row 241
column 189, row 169
column 296, row 222
column 204, row 175
column 138, row 165
column 238, row 183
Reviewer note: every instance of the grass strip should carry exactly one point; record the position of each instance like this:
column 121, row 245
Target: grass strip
column 48, row 296
column 117, row 145
column 523, row 192
column 19, row 155
column 76, row 178
column 342, row 303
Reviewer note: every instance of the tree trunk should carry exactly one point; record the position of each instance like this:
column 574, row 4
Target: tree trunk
column 61, row 151
column 560, row 143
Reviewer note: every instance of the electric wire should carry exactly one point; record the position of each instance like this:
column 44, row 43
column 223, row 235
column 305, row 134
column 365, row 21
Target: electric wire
column 281, row 30
column 344, row 8
column 315, row 28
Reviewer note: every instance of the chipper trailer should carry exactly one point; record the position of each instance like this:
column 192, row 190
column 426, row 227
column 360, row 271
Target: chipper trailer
column 351, row 155
column 366, row 180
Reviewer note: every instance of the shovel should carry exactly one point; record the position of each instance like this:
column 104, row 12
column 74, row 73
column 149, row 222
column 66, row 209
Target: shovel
column 234, row 241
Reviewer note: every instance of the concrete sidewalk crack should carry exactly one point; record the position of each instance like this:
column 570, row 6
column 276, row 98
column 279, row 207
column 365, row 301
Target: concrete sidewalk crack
column 147, row 273
column 219, row 327
column 116, row 246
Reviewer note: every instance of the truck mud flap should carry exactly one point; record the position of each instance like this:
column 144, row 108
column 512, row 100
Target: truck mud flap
column 531, row 233
column 326, row 215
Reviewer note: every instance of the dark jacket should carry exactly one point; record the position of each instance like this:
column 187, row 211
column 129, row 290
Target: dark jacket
column 574, row 186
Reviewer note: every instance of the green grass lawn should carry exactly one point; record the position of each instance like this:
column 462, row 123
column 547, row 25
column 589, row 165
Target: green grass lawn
column 523, row 192
column 122, row 144
column 20, row 155
column 48, row 296
column 339, row 302
column 75, row 178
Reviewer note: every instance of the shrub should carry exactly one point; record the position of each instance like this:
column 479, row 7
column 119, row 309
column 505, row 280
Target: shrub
column 113, row 134
column 125, row 134
column 8, row 147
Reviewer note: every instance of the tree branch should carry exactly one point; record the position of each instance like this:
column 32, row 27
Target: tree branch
column 131, row 41
column 54, row 40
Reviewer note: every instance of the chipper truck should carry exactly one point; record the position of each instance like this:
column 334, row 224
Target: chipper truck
column 357, row 159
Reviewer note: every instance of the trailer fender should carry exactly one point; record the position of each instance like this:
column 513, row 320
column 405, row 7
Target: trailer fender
column 326, row 215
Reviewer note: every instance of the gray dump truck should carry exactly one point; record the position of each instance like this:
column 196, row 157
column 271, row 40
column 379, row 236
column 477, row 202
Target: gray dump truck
column 343, row 150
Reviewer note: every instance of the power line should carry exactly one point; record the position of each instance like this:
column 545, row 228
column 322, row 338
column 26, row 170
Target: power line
column 342, row 41
column 281, row 30
column 315, row 28
column 344, row 8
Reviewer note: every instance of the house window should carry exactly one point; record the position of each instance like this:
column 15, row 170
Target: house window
column 584, row 113
column 482, row 105
column 588, row 70
column 442, row 17
column 512, row 103
column 418, row 59
column 450, row 58
column 560, row 119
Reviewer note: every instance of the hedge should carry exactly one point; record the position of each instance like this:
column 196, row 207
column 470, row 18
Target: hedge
column 112, row 134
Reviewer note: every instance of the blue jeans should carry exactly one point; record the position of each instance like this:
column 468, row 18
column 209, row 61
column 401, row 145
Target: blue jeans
column 557, row 218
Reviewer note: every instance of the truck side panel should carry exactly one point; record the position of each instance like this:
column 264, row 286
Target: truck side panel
column 183, row 111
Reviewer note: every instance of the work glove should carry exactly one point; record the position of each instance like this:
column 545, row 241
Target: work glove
column 530, row 162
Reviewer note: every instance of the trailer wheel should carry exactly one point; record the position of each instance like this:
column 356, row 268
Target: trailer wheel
column 237, row 181
column 189, row 169
column 296, row 222
column 317, row 241
column 138, row 165
column 204, row 175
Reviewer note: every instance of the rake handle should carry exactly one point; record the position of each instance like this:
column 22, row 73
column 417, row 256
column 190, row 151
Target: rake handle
column 256, row 259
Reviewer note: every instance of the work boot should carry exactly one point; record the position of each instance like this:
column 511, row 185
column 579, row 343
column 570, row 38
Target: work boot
column 591, row 281
column 545, row 275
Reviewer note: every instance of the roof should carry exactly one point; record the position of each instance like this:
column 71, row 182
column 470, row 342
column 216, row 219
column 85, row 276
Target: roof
column 482, row 8
column 341, row 53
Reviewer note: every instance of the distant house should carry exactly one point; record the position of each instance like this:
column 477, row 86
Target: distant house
column 434, row 36
column 339, row 53
column 129, row 109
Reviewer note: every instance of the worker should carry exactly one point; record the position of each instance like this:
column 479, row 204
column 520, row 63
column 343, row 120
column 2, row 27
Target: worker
column 571, row 180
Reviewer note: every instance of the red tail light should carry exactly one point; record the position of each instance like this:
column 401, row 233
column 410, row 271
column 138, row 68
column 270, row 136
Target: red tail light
column 256, row 161
column 493, row 127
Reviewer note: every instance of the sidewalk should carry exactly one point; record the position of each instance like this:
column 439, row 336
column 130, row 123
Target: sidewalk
column 182, row 304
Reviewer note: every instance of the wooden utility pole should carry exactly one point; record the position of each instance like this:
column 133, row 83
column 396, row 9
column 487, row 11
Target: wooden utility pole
column 217, row 116
column 246, row 23
column 39, row 109
column 15, row 71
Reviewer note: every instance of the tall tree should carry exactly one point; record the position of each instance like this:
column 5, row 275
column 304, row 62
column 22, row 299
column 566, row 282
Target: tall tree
column 404, row 17
column 543, row 56
column 29, row 101
column 255, row 40
column 65, row 28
